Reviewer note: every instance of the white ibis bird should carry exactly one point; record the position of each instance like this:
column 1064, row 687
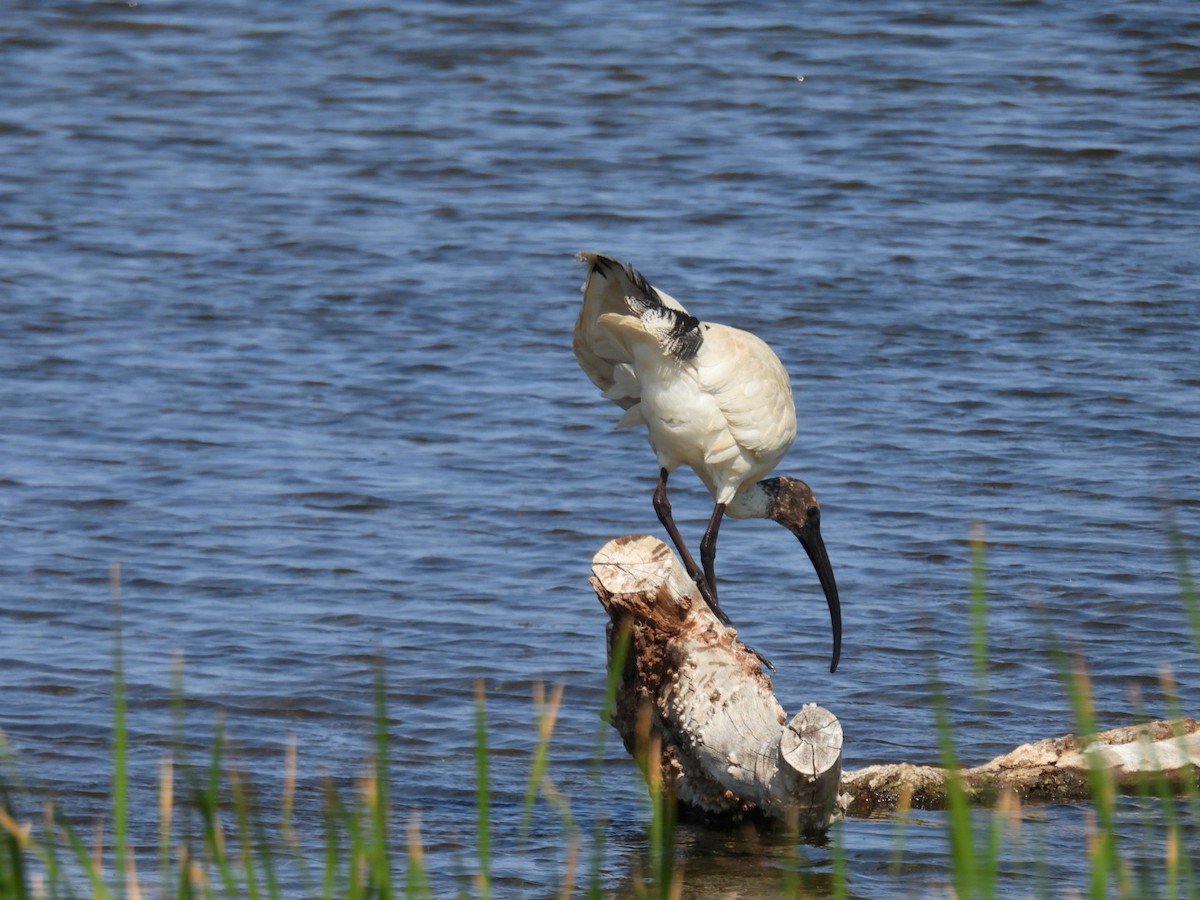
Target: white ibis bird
column 711, row 397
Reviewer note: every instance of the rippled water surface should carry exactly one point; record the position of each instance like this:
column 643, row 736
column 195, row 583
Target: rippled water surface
column 286, row 301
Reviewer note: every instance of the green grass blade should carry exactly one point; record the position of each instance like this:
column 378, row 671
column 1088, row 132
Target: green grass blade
column 85, row 861
column 208, row 802
column 14, row 881
column 416, row 878
column 290, row 839
column 662, row 824
column 358, row 862
column 483, row 826
column 619, row 643
column 262, row 846
column 332, row 819
column 546, row 712
column 241, row 808
column 1179, row 864
column 120, row 747
column 166, row 809
column 978, row 604
column 901, row 820
column 1106, row 863
column 962, row 845
column 381, row 869
column 841, row 878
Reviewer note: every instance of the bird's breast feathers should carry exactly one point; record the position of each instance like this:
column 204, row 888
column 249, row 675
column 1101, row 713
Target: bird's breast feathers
column 750, row 386
column 732, row 397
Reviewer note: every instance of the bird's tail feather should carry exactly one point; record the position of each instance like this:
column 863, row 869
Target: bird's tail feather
column 613, row 288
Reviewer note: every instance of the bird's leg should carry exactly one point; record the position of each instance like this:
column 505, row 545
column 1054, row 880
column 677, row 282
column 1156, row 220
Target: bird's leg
column 708, row 549
column 705, row 580
column 708, row 556
column 662, row 506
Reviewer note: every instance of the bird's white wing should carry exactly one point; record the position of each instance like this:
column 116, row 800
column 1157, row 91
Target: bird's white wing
column 752, row 389
column 603, row 354
column 713, row 397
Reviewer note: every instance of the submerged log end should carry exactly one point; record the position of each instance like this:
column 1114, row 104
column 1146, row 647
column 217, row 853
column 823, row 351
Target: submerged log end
column 895, row 786
column 1052, row 770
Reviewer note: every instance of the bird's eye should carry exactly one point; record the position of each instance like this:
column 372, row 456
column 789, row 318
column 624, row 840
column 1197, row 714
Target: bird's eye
column 813, row 512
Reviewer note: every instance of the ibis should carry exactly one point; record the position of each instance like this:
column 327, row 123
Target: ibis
column 712, row 397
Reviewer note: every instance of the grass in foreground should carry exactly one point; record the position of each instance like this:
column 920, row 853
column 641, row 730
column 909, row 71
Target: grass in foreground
column 214, row 841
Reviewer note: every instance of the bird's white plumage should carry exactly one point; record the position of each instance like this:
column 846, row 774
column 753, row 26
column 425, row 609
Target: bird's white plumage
column 727, row 412
column 711, row 397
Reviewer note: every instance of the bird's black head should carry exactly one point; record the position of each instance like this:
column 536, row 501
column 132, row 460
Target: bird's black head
column 794, row 506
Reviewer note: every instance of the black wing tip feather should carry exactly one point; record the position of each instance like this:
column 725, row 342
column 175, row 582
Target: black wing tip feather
column 678, row 332
column 645, row 289
column 599, row 262
column 686, row 336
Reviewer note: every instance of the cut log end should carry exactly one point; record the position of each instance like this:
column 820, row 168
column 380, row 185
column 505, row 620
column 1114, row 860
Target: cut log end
column 812, row 741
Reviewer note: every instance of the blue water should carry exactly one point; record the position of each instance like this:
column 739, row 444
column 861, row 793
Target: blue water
column 286, row 296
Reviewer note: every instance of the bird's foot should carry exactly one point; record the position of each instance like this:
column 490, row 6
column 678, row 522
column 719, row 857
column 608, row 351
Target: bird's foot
column 767, row 664
column 710, row 598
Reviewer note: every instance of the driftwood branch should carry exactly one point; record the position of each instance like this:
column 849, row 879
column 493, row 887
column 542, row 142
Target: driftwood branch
column 694, row 703
column 1054, row 770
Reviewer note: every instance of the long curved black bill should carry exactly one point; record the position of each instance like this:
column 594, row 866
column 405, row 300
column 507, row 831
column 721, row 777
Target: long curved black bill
column 810, row 540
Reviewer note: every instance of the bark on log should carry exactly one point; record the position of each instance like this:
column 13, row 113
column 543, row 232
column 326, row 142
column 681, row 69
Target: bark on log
column 1054, row 770
column 692, row 690
column 694, row 703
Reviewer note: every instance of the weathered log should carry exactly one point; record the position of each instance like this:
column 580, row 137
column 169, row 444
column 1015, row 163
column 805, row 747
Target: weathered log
column 691, row 689
column 1054, row 770
column 694, row 703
